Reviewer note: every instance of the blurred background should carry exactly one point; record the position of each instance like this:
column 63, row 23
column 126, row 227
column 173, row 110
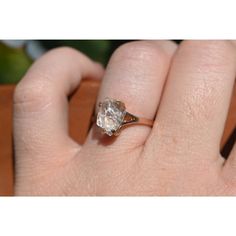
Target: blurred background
column 17, row 55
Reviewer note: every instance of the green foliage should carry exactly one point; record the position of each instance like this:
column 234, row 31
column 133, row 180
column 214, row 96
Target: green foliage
column 13, row 64
column 15, row 61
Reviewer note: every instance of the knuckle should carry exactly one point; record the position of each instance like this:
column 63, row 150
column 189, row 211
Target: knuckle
column 212, row 55
column 211, row 64
column 143, row 51
column 32, row 96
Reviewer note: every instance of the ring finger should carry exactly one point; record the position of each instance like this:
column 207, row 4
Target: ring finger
column 135, row 75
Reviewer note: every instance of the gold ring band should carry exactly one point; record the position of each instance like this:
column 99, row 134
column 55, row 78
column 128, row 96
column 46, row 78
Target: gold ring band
column 132, row 119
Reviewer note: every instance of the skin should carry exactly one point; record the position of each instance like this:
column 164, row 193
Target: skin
column 185, row 88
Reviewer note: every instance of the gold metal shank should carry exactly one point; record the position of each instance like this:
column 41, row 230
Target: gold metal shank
column 132, row 119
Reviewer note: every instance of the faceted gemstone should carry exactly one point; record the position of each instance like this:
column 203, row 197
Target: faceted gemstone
column 110, row 115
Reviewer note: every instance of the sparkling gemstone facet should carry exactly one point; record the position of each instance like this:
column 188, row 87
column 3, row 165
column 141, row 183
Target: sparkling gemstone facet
column 110, row 115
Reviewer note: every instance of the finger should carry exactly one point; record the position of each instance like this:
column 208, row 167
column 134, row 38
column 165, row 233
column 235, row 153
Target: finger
column 193, row 110
column 40, row 106
column 229, row 169
column 135, row 75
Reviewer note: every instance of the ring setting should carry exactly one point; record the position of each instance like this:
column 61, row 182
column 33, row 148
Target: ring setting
column 112, row 117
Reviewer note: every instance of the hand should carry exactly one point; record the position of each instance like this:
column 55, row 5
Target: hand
column 186, row 89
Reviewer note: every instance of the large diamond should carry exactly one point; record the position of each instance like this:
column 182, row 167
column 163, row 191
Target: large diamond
column 110, row 115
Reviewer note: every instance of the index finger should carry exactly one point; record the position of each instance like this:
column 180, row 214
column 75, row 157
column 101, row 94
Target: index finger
column 40, row 106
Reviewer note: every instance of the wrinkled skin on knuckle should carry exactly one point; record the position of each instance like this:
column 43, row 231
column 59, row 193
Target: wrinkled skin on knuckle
column 210, row 59
column 33, row 97
column 204, row 65
column 140, row 52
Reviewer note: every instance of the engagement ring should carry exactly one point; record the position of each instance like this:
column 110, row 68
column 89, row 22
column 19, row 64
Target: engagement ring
column 112, row 117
